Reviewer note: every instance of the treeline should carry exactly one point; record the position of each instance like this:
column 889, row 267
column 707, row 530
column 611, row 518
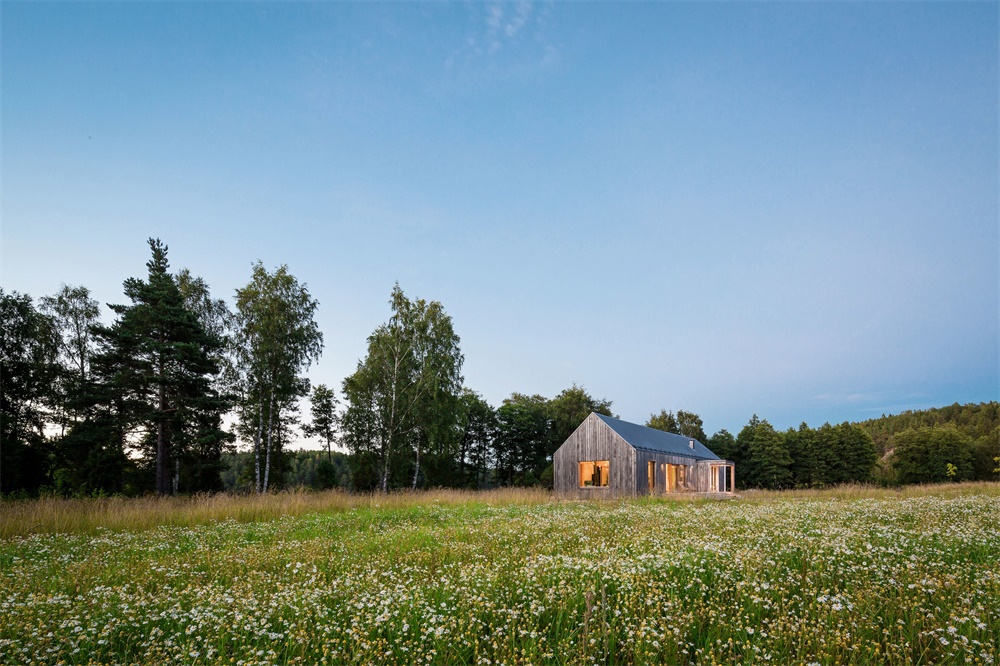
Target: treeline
column 319, row 470
column 957, row 442
column 140, row 405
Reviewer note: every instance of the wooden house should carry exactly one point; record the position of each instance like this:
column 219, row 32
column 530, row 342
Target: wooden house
column 606, row 457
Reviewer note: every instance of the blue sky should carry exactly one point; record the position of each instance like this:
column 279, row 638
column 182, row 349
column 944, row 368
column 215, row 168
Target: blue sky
column 788, row 209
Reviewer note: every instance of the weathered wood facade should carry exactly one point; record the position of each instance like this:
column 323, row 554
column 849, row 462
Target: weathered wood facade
column 651, row 464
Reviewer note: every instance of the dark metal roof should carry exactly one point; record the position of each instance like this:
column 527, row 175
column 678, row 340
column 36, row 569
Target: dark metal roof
column 652, row 439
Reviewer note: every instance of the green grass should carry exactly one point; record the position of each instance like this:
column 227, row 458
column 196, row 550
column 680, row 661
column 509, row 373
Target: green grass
column 849, row 576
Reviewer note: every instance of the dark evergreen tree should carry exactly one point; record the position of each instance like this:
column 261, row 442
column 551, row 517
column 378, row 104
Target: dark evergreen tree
column 808, row 464
column 768, row 460
column 158, row 357
column 857, row 451
column 740, row 454
column 722, row 444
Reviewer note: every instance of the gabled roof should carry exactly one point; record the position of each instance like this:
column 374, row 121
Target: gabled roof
column 651, row 439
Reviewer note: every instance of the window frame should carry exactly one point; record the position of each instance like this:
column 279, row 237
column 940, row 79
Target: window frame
column 596, row 465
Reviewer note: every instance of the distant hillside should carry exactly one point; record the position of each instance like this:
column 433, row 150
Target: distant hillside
column 975, row 420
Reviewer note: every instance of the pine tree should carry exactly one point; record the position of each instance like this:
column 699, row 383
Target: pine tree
column 769, row 461
column 158, row 357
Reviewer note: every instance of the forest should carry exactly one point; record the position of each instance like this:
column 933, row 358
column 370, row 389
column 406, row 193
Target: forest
column 183, row 394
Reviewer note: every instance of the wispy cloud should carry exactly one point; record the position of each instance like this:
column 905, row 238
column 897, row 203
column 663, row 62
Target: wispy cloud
column 499, row 26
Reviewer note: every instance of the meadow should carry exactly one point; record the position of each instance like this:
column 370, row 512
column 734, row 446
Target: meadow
column 847, row 576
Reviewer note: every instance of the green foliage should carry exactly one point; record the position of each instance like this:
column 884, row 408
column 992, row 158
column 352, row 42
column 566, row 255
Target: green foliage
column 974, row 420
column 404, row 396
column 155, row 374
column 924, row 455
column 315, row 470
column 522, row 439
column 478, row 424
column 74, row 314
column 768, row 463
column 29, row 344
column 325, row 420
column 665, row 421
column 690, row 425
column 722, row 444
column 986, row 451
column 276, row 338
column 568, row 410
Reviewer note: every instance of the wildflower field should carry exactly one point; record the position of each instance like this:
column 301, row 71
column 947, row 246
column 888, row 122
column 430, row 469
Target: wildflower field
column 827, row 579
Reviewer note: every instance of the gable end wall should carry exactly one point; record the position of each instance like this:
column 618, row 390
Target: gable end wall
column 594, row 440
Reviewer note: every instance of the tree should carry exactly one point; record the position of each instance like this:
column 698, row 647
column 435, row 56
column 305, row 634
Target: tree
column 159, row 355
column 923, row 455
column 568, row 410
column 276, row 338
column 478, row 423
column 29, row 344
column 808, row 466
column 769, row 459
column 722, row 444
column 739, row 453
column 522, row 439
column 761, row 455
column 665, row 421
column 689, row 424
column 74, row 313
column 325, row 420
column 857, row 451
column 403, row 395
column 212, row 313
column 987, row 463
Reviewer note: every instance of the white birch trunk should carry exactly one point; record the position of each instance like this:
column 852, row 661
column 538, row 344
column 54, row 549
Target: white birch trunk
column 270, row 430
column 256, row 447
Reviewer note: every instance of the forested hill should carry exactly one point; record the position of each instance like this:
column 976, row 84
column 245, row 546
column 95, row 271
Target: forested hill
column 974, row 420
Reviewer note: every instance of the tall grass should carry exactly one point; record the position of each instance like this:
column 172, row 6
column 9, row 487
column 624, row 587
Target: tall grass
column 59, row 515
column 853, row 491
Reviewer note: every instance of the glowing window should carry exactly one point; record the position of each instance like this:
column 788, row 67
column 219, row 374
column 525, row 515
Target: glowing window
column 593, row 473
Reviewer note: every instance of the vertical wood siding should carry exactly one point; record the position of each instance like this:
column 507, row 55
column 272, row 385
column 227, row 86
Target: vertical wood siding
column 595, row 440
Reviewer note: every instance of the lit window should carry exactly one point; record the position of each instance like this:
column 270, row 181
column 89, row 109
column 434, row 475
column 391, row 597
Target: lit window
column 593, row 473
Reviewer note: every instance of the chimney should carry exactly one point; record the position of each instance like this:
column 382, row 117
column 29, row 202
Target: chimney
column 691, row 443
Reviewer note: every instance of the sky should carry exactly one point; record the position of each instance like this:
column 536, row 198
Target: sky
column 781, row 209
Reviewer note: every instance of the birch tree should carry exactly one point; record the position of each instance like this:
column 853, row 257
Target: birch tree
column 404, row 392
column 74, row 313
column 275, row 339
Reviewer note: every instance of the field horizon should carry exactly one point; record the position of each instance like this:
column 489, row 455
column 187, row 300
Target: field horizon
column 56, row 515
